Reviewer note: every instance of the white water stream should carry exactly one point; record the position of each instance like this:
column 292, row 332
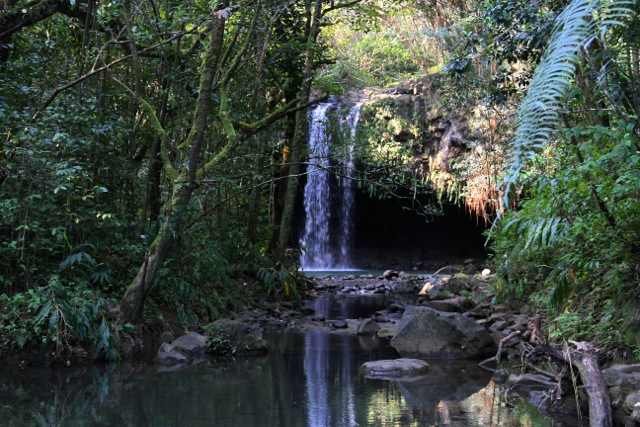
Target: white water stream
column 329, row 192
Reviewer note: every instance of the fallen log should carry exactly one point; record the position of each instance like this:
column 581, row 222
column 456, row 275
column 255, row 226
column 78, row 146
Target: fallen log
column 585, row 358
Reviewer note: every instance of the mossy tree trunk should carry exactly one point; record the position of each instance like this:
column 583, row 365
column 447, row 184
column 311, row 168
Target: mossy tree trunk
column 184, row 182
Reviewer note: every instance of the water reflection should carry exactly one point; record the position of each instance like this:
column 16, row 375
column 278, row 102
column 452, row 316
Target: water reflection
column 307, row 380
column 317, row 382
column 348, row 306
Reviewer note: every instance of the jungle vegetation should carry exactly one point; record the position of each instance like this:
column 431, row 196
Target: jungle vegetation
column 151, row 152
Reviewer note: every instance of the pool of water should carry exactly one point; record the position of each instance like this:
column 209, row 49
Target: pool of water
column 309, row 379
column 349, row 306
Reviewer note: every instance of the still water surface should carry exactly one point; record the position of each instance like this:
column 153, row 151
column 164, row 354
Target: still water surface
column 308, row 379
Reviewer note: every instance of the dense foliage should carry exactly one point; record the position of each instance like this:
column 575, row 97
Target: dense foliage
column 151, row 152
column 141, row 141
column 567, row 239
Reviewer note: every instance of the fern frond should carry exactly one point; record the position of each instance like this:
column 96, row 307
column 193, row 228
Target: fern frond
column 576, row 27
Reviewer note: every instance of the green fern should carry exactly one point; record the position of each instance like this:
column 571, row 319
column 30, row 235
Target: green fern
column 580, row 23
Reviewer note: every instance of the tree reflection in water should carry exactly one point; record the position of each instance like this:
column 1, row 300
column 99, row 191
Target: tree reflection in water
column 309, row 379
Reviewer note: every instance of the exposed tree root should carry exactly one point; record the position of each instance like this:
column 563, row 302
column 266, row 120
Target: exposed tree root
column 582, row 356
column 585, row 358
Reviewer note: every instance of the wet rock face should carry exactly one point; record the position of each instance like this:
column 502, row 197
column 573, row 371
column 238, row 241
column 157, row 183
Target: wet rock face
column 429, row 334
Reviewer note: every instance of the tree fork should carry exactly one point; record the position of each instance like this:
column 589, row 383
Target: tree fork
column 132, row 302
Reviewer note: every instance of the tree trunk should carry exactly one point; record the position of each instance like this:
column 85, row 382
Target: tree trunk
column 300, row 132
column 184, row 183
column 281, row 186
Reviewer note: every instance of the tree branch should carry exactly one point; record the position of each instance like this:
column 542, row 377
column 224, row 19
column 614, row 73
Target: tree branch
column 95, row 71
column 340, row 6
column 252, row 129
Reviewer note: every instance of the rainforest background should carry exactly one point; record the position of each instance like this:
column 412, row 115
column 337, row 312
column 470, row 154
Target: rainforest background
column 152, row 152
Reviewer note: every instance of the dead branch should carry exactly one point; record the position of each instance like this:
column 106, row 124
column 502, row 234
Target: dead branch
column 498, row 355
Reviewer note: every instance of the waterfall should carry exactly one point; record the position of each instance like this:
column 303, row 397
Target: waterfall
column 329, row 191
column 317, row 206
column 347, row 185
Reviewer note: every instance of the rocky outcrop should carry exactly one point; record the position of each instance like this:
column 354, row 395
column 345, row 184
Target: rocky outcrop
column 411, row 114
column 394, row 369
column 430, row 334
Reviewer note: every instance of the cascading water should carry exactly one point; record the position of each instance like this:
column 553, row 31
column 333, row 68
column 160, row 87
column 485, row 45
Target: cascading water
column 347, row 184
column 317, row 208
column 329, row 197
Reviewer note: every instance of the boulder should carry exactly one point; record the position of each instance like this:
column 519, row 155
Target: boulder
column 340, row 324
column 191, row 345
column 390, row 275
column 427, row 287
column 167, row 336
column 631, row 402
column 446, row 288
column 429, row 334
column 167, row 355
column 392, row 369
column 368, row 327
column 183, row 350
column 626, row 376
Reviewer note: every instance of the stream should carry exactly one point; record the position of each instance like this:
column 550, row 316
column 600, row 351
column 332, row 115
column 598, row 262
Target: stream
column 308, row 379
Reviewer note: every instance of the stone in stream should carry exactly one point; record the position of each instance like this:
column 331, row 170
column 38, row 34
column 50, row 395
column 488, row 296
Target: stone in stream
column 368, row 327
column 390, row 275
column 168, row 356
column 381, row 318
column 426, row 333
column 340, row 324
column 192, row 344
column 183, row 350
column 392, row 369
column 443, row 289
